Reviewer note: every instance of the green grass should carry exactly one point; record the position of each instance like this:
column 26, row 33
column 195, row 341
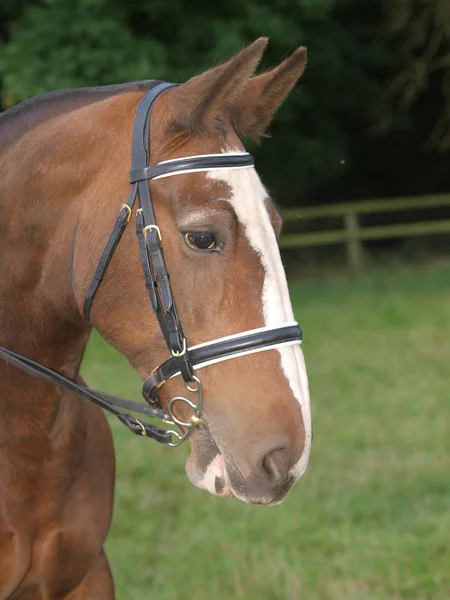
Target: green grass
column 371, row 518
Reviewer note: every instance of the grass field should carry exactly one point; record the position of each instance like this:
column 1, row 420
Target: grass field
column 371, row 518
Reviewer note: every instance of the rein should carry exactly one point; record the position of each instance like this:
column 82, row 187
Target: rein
column 184, row 360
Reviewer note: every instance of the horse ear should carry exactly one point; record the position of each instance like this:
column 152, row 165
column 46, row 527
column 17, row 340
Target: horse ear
column 205, row 98
column 263, row 95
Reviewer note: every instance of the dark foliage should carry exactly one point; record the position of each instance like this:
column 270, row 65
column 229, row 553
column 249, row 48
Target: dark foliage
column 370, row 117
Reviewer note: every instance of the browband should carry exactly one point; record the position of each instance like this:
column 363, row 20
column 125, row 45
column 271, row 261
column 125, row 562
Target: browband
column 192, row 164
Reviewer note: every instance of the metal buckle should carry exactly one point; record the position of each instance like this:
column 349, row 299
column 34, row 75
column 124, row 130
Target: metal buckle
column 154, row 228
column 128, row 209
column 144, row 433
column 182, row 352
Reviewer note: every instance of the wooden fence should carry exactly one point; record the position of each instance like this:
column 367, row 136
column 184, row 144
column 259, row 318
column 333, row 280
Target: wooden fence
column 352, row 234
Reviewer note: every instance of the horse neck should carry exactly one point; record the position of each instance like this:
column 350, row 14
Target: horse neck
column 59, row 180
column 38, row 314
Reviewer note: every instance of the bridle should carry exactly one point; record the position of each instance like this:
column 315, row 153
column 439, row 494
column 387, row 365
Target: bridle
column 184, row 360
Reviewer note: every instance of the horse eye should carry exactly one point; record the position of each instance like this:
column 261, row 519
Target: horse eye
column 200, row 240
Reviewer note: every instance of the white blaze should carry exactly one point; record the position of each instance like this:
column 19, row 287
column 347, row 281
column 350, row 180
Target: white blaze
column 248, row 201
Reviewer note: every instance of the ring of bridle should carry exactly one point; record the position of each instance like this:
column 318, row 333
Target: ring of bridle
column 184, row 360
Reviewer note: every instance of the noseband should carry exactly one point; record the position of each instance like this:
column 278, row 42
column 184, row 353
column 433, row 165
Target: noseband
column 184, row 360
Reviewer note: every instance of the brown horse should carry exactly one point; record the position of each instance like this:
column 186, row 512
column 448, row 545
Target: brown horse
column 64, row 160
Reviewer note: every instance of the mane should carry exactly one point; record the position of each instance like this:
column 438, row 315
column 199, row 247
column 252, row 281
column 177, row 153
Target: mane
column 15, row 121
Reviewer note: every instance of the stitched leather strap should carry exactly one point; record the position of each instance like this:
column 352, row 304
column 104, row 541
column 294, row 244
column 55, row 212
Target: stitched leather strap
column 122, row 221
column 152, row 257
column 124, row 214
column 218, row 350
column 191, row 164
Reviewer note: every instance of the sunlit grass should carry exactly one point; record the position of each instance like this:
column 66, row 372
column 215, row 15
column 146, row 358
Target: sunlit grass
column 371, row 518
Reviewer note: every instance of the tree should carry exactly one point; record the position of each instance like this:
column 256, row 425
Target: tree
column 73, row 43
column 418, row 35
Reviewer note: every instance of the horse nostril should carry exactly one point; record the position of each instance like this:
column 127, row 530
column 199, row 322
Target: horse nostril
column 275, row 465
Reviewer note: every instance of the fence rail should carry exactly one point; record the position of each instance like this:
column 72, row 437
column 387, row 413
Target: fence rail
column 352, row 234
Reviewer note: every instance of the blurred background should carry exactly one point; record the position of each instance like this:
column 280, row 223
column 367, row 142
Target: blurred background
column 359, row 162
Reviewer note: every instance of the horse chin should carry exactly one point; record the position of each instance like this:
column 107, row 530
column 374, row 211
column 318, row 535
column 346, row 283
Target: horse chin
column 205, row 466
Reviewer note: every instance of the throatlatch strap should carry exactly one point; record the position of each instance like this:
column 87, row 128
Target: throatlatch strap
column 139, row 153
column 122, row 221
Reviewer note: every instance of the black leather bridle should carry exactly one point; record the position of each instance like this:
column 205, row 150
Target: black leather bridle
column 184, row 360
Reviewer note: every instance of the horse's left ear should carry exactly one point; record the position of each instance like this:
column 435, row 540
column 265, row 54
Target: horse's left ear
column 263, row 95
column 203, row 100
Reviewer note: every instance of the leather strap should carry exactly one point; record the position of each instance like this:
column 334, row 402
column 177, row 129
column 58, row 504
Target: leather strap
column 156, row 276
column 219, row 350
column 124, row 214
column 190, row 165
column 105, row 401
column 122, row 221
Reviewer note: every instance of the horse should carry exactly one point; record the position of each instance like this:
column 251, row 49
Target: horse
column 64, row 158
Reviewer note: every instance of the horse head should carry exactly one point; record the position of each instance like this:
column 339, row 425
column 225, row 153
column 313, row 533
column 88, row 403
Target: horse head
column 219, row 231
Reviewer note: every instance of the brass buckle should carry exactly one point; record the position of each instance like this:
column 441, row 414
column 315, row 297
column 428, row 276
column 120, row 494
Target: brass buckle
column 144, row 433
column 182, row 352
column 154, row 228
column 162, row 382
column 128, row 209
